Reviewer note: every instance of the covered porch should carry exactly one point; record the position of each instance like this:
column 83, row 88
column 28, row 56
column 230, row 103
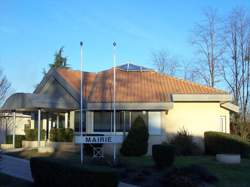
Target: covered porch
column 45, row 113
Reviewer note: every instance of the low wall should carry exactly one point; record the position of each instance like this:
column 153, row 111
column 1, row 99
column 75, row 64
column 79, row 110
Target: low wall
column 32, row 144
column 64, row 146
column 6, row 146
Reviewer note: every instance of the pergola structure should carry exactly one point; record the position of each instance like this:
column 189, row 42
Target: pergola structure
column 28, row 102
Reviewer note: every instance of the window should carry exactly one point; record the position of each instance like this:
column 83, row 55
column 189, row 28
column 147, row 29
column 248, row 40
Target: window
column 223, row 127
column 154, row 123
column 103, row 121
column 77, row 121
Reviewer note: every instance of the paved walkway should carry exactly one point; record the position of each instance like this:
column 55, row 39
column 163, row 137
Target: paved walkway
column 20, row 168
column 16, row 167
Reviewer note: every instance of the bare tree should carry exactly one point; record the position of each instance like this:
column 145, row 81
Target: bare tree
column 165, row 63
column 206, row 38
column 4, row 86
column 236, row 69
column 191, row 73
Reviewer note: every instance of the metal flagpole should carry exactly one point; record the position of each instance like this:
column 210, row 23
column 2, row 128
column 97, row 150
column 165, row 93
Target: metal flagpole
column 81, row 127
column 114, row 94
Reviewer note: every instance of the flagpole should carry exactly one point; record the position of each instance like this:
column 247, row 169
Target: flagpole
column 81, row 125
column 114, row 95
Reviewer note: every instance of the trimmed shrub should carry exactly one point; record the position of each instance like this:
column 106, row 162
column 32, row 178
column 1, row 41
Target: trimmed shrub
column 61, row 135
column 219, row 143
column 184, row 145
column 53, row 135
column 136, row 143
column 32, row 134
column 18, row 140
column 56, row 172
column 163, row 155
column 69, row 135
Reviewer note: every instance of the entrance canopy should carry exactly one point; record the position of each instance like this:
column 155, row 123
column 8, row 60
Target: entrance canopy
column 25, row 102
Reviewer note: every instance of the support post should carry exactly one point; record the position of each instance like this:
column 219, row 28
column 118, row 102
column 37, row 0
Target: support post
column 57, row 120
column 66, row 120
column 39, row 127
column 14, row 130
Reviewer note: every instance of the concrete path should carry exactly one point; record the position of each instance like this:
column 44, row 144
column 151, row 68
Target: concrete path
column 16, row 167
column 20, row 168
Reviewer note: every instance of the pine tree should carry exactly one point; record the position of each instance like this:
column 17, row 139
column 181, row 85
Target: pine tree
column 136, row 143
column 59, row 60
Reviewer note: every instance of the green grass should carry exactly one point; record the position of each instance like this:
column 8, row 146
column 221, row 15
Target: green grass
column 236, row 175
column 8, row 181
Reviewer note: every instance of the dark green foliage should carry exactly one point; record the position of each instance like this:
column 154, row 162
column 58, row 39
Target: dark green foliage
column 18, row 140
column 61, row 135
column 32, row 134
column 190, row 176
column 219, row 142
column 69, row 134
column 136, row 143
column 163, row 155
column 184, row 145
column 53, row 134
column 59, row 60
column 56, row 172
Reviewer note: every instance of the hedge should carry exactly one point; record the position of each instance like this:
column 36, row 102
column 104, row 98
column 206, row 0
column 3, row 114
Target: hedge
column 18, row 140
column 56, row 172
column 61, row 135
column 32, row 134
column 163, row 155
column 219, row 143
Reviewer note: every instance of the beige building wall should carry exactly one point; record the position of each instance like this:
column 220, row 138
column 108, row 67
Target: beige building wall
column 6, row 125
column 196, row 118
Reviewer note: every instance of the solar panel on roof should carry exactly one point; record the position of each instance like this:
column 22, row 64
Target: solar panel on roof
column 133, row 67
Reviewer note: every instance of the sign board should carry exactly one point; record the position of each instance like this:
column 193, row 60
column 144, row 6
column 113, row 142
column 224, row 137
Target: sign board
column 112, row 139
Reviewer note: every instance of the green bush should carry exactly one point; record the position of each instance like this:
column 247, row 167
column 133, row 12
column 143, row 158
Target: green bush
column 163, row 155
column 61, row 135
column 136, row 143
column 183, row 143
column 56, row 172
column 18, row 140
column 69, row 135
column 219, row 142
column 53, row 135
column 32, row 134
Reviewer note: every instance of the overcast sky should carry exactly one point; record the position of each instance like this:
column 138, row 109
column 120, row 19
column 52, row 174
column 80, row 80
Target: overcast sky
column 31, row 32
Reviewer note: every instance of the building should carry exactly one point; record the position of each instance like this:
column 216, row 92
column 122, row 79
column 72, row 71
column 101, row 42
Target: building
column 166, row 104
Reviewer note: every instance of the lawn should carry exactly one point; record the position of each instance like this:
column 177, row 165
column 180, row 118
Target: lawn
column 8, row 181
column 236, row 175
column 229, row 175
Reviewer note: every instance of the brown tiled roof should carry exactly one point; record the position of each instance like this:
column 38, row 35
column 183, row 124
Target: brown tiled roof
column 132, row 86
